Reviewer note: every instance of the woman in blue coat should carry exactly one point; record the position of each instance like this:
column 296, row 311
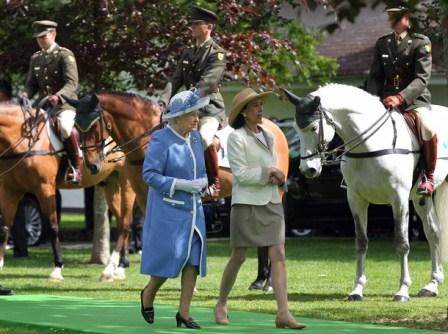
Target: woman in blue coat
column 174, row 228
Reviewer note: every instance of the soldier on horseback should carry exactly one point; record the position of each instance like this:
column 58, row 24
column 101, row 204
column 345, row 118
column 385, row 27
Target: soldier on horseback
column 399, row 75
column 202, row 66
column 53, row 73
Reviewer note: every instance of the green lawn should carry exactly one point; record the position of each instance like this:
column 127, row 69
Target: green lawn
column 75, row 221
column 320, row 273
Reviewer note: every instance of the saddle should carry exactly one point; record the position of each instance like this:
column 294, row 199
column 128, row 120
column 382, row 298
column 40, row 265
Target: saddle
column 71, row 158
column 414, row 124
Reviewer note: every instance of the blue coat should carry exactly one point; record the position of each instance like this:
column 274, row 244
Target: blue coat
column 172, row 216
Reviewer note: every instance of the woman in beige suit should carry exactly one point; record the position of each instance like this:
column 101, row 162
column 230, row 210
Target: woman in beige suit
column 257, row 212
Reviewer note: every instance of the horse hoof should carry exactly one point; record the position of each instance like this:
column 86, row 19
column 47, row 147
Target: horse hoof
column 55, row 279
column 106, row 279
column 119, row 274
column 355, row 298
column 402, row 299
column 426, row 293
column 119, row 277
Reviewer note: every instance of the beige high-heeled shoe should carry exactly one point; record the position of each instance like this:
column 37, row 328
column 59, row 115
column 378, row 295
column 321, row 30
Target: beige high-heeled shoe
column 290, row 323
column 221, row 319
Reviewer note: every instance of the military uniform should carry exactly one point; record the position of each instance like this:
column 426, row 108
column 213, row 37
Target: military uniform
column 403, row 69
column 400, row 75
column 53, row 73
column 201, row 67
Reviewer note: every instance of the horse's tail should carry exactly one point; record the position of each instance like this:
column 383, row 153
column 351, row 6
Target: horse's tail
column 440, row 201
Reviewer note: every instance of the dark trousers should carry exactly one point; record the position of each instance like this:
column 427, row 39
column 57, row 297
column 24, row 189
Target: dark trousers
column 264, row 266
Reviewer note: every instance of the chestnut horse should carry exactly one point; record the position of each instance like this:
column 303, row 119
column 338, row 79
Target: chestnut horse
column 29, row 164
column 130, row 120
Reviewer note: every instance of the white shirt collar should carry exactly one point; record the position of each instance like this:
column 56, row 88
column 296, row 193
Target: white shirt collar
column 402, row 35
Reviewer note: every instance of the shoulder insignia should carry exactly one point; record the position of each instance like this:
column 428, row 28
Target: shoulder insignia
column 220, row 56
column 427, row 48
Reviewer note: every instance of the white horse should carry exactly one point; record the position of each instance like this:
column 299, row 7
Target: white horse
column 379, row 160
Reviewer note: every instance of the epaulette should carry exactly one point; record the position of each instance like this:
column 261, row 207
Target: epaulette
column 420, row 36
column 62, row 49
column 35, row 54
column 217, row 47
column 386, row 35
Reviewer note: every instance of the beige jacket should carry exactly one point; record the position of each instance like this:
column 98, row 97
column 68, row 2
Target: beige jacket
column 249, row 160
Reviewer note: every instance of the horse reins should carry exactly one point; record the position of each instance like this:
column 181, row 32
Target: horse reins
column 117, row 148
column 358, row 140
column 33, row 138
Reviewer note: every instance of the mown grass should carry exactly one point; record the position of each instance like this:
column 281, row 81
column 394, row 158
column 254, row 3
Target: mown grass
column 320, row 273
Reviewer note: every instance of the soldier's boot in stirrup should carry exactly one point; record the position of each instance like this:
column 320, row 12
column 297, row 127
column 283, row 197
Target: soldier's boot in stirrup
column 71, row 145
column 211, row 164
column 429, row 151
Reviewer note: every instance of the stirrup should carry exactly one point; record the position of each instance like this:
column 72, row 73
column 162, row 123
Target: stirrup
column 425, row 186
column 72, row 175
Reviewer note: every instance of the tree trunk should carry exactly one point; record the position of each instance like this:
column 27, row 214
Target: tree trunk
column 101, row 230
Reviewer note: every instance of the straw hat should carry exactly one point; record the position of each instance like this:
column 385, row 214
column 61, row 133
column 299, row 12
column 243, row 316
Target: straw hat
column 184, row 102
column 241, row 99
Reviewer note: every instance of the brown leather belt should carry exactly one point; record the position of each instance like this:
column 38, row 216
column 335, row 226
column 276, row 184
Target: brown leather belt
column 397, row 82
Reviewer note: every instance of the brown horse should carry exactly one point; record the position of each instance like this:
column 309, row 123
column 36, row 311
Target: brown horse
column 130, row 120
column 29, row 164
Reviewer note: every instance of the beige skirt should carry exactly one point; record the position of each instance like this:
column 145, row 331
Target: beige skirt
column 257, row 225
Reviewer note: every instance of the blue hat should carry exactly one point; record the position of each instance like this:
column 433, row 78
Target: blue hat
column 185, row 102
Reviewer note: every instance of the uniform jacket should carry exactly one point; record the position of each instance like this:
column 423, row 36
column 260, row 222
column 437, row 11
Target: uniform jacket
column 172, row 216
column 53, row 73
column 403, row 68
column 249, row 161
column 202, row 68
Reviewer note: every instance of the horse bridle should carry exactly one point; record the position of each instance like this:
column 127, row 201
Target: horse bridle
column 101, row 144
column 341, row 151
column 104, row 123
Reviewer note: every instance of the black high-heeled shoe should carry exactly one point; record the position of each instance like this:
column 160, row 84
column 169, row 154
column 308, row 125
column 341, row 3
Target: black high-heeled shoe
column 189, row 323
column 148, row 312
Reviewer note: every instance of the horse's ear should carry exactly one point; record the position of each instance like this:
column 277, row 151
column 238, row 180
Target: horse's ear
column 294, row 99
column 316, row 102
column 94, row 100
column 70, row 101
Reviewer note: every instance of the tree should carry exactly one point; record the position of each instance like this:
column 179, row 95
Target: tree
column 429, row 16
column 136, row 44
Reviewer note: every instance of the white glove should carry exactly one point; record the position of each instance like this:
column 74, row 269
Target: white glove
column 191, row 186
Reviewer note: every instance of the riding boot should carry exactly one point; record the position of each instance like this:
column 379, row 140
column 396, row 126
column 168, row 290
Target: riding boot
column 71, row 145
column 211, row 164
column 429, row 152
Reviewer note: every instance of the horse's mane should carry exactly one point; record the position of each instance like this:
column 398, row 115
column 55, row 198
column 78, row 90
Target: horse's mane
column 130, row 95
column 339, row 96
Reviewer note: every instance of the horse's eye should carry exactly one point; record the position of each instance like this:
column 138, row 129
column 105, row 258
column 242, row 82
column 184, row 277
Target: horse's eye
column 314, row 128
